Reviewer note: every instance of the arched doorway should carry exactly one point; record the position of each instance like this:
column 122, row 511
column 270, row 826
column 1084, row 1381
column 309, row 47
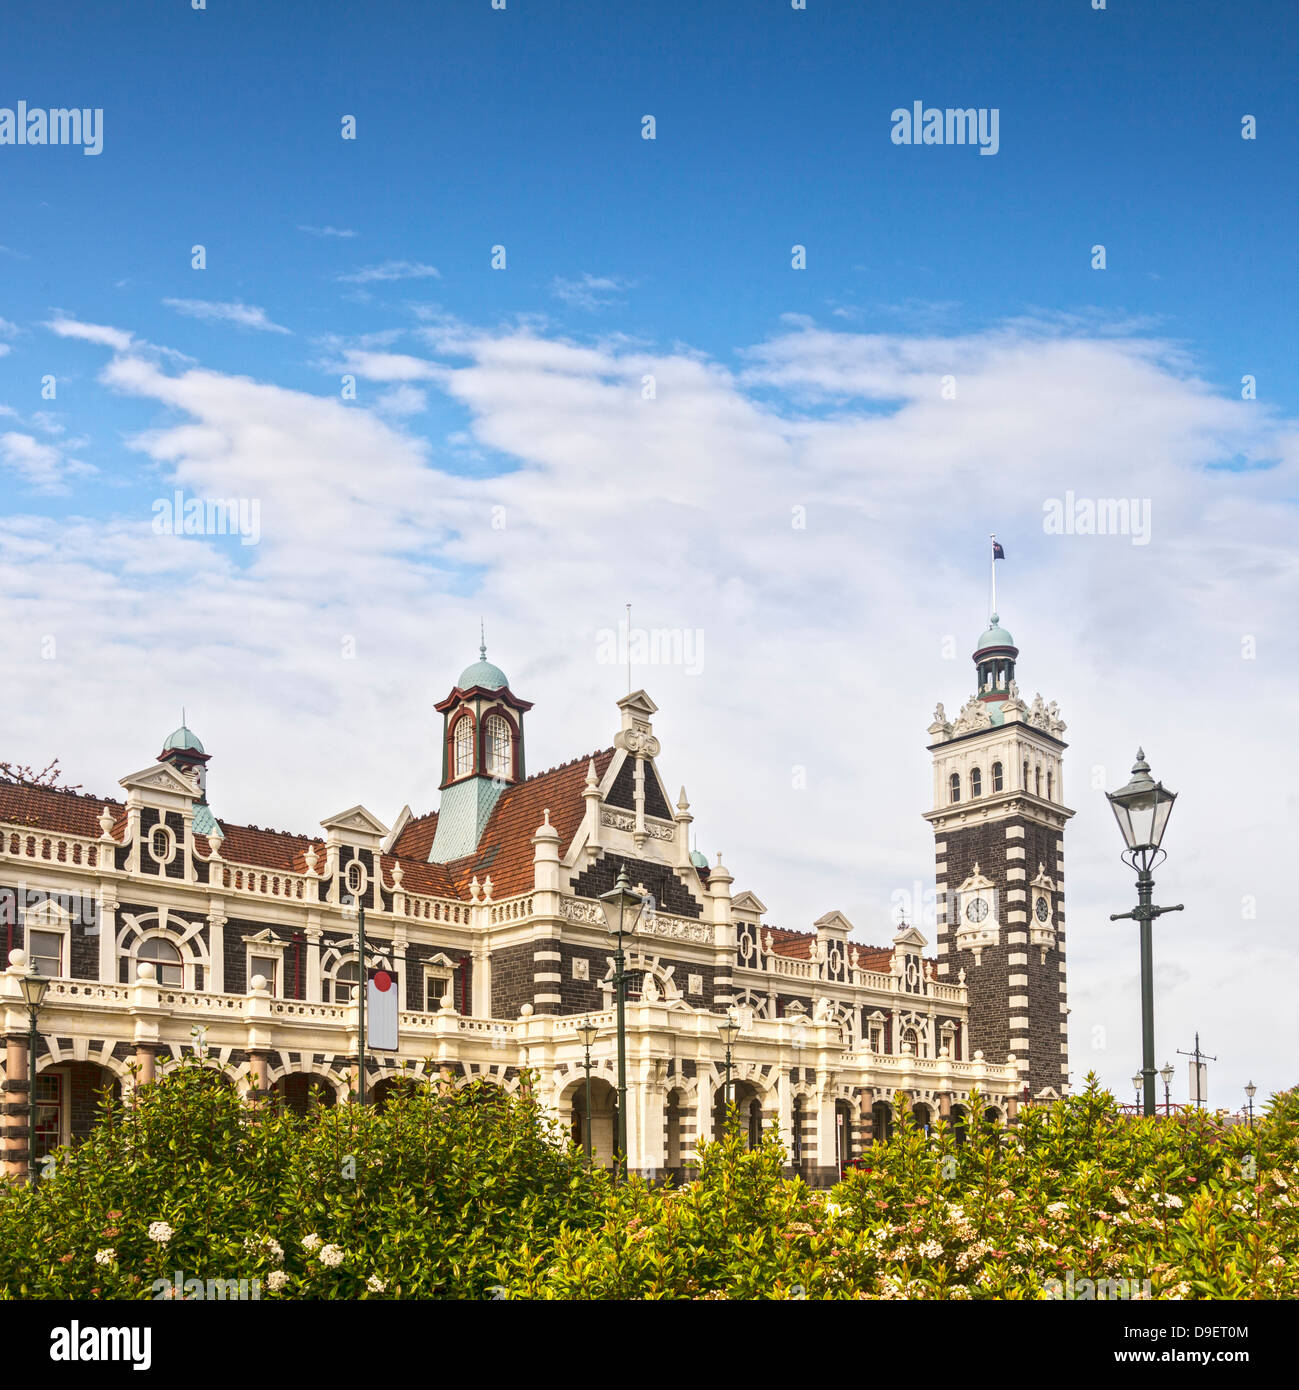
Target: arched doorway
column 748, row 1106
column 992, row 1115
column 960, row 1119
column 843, row 1136
column 301, row 1092
column 70, row 1101
column 881, row 1122
column 672, row 1132
column 797, row 1122
column 603, row 1128
column 391, row 1088
column 923, row 1116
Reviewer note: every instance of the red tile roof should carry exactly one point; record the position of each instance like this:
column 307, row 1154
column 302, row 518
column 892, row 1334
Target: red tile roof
column 416, row 838
column 72, row 813
column 505, row 848
column 504, row 852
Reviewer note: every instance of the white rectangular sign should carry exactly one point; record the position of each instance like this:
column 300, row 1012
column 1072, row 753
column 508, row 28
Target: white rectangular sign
column 381, row 1010
column 1198, row 1095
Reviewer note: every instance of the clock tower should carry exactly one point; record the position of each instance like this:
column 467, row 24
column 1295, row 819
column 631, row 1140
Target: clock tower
column 998, row 817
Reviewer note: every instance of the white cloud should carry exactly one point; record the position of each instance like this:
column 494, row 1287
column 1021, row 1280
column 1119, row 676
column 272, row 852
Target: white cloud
column 826, row 643
column 591, row 292
column 391, row 270
column 114, row 338
column 327, row 231
column 43, row 467
column 244, row 315
column 402, row 400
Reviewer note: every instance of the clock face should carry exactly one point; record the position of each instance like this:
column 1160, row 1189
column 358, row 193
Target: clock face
column 977, row 910
column 1041, row 909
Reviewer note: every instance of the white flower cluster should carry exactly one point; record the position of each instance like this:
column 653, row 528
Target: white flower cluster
column 105, row 1257
column 331, row 1256
column 375, row 1284
column 310, row 1242
column 160, row 1231
column 255, row 1245
column 276, row 1280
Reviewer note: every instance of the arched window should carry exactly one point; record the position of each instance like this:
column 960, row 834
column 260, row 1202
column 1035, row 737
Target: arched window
column 1025, row 774
column 910, row 1042
column 1037, row 781
column 1048, row 786
column 954, row 781
column 976, row 782
column 462, row 741
column 167, row 961
column 996, row 777
column 345, row 978
column 496, row 746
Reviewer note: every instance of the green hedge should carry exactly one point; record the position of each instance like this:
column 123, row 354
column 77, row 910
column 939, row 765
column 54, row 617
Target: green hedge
column 470, row 1193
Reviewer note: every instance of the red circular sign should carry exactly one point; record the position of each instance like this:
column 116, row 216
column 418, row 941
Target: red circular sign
column 382, row 981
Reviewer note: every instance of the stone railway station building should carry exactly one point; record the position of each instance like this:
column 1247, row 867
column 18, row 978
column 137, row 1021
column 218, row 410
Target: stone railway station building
column 163, row 928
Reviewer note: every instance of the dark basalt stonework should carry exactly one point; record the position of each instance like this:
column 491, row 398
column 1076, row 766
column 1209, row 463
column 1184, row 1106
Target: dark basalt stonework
column 623, row 792
column 669, row 892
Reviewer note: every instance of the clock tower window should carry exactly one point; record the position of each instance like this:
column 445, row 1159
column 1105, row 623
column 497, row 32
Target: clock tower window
column 976, row 782
column 996, row 777
column 954, row 782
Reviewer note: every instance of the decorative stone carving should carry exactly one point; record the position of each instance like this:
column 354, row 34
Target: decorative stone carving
column 575, row 910
column 624, row 820
column 974, row 715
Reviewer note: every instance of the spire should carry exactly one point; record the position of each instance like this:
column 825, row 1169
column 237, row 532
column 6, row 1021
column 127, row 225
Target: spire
column 482, row 641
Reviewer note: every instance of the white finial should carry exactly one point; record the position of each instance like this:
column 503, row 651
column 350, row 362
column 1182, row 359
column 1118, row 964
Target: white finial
column 591, row 779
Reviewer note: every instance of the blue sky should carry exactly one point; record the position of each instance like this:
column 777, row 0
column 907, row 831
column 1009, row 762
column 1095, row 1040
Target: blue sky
column 499, row 458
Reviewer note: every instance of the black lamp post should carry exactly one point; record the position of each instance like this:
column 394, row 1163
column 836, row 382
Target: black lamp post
column 353, row 906
column 730, row 1030
column 1142, row 809
column 33, row 987
column 1166, row 1071
column 1250, row 1090
column 587, row 1034
column 622, row 910
column 1136, row 1086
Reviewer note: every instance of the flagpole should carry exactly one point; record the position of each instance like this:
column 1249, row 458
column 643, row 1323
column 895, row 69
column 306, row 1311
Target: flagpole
column 992, row 561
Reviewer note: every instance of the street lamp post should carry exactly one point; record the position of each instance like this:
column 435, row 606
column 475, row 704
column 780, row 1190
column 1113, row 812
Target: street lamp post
column 622, row 909
column 587, row 1034
column 1136, row 1086
column 354, row 904
column 1142, row 809
column 1250, row 1091
column 730, row 1030
column 1166, row 1071
column 33, row 987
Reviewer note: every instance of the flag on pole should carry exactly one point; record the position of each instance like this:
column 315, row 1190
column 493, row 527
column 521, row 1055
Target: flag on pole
column 381, row 1010
column 997, row 552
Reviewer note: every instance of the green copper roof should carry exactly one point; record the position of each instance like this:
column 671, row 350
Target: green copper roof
column 996, row 636
column 483, row 673
column 699, row 859
column 204, row 821
column 183, row 738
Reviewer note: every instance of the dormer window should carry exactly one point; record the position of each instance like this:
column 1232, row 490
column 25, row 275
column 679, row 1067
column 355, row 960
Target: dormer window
column 497, row 746
column 976, row 782
column 462, row 743
column 996, row 777
column 954, row 783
